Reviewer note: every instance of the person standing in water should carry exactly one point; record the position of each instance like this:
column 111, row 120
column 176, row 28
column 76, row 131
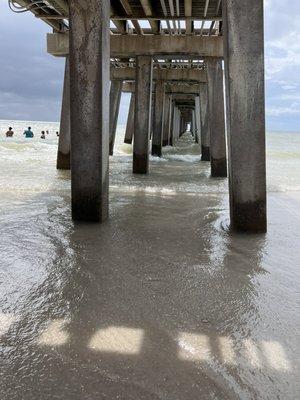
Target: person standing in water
column 10, row 132
column 43, row 135
column 28, row 133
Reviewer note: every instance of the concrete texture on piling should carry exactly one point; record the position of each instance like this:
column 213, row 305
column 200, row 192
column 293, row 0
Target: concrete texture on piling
column 64, row 143
column 142, row 114
column 89, row 88
column 245, row 99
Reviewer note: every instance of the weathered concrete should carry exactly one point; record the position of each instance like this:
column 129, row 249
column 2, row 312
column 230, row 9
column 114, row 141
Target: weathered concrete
column 64, row 143
column 133, row 45
column 171, row 138
column 177, row 89
column 176, row 125
column 193, row 127
column 205, row 126
column 245, row 99
column 198, row 118
column 158, row 119
column 218, row 158
column 168, row 75
column 130, row 121
column 142, row 114
column 181, row 126
column 166, row 125
column 114, row 106
column 89, row 86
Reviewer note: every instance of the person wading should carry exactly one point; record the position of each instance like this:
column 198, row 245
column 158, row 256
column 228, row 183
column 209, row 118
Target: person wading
column 28, row 133
column 10, row 132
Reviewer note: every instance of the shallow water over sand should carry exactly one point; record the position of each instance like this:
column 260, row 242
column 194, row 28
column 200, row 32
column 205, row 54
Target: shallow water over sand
column 161, row 301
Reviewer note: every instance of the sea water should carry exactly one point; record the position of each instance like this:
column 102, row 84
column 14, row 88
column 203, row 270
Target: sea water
column 159, row 302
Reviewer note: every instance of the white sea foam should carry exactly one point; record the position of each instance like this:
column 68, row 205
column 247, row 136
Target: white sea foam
column 29, row 164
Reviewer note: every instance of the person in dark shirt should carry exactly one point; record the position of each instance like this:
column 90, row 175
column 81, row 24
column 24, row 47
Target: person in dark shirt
column 10, row 132
column 28, row 133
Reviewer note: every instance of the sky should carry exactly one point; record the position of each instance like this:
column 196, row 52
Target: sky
column 31, row 80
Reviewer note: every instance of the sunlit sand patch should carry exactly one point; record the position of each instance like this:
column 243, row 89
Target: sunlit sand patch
column 6, row 320
column 116, row 339
column 227, row 350
column 194, row 347
column 252, row 353
column 275, row 355
column 54, row 335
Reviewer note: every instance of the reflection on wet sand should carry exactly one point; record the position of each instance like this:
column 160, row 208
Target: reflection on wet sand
column 160, row 302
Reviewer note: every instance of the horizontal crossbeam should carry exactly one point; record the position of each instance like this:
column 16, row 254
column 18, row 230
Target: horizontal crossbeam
column 155, row 45
column 176, row 90
column 168, row 74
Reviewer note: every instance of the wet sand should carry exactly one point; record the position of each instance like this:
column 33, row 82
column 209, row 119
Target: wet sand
column 160, row 302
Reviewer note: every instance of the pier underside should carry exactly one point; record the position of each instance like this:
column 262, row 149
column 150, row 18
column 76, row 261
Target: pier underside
column 173, row 56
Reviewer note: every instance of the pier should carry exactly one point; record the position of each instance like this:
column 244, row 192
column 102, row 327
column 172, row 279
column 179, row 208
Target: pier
column 134, row 261
column 176, row 70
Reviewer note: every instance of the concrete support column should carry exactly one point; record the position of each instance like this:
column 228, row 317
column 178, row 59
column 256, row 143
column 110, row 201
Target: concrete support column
column 178, row 124
column 194, row 125
column 175, row 125
column 158, row 118
column 216, row 116
column 205, row 127
column 166, row 126
column 64, row 142
column 181, row 126
column 198, row 119
column 130, row 121
column 114, row 106
column 245, row 99
column 171, row 140
column 89, row 85
column 142, row 114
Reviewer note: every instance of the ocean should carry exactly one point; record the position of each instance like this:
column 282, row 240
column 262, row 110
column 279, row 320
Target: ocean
column 162, row 301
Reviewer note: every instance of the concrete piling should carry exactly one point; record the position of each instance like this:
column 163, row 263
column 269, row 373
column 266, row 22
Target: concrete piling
column 89, row 85
column 166, row 124
column 130, row 121
column 114, row 106
column 158, row 118
column 64, row 143
column 171, row 139
column 198, row 118
column 205, row 127
column 176, row 122
column 194, row 125
column 218, row 158
column 142, row 114
column 245, row 99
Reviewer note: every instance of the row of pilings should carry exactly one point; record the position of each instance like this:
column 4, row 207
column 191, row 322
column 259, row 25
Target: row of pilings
column 161, row 110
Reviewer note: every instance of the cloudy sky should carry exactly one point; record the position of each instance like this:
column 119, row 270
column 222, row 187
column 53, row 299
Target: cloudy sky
column 31, row 80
